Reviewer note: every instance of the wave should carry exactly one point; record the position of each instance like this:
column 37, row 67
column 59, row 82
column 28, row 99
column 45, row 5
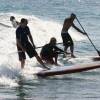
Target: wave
column 42, row 31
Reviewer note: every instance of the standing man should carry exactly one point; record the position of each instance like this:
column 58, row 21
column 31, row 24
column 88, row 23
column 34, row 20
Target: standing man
column 23, row 36
column 67, row 40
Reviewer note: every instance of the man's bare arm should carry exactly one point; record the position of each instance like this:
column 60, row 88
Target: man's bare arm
column 78, row 29
column 31, row 39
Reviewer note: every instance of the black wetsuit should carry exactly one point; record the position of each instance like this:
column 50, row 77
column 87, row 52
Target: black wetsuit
column 49, row 51
column 22, row 36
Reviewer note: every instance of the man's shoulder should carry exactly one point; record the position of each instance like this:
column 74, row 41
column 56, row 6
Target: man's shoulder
column 27, row 28
column 45, row 45
column 67, row 19
column 19, row 29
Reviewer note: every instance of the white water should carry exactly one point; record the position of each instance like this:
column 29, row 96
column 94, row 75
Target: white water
column 41, row 30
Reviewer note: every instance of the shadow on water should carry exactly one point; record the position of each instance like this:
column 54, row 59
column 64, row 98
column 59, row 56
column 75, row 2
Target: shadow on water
column 26, row 87
column 21, row 90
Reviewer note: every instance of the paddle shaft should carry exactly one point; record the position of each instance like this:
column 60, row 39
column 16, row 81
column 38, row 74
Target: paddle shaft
column 42, row 46
column 88, row 37
column 57, row 44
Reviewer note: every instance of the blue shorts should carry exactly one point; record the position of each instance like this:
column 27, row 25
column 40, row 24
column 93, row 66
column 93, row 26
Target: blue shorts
column 67, row 40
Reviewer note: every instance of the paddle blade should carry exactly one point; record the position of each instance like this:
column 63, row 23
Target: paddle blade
column 98, row 52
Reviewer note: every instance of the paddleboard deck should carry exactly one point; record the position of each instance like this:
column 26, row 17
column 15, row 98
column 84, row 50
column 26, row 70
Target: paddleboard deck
column 69, row 69
column 82, row 59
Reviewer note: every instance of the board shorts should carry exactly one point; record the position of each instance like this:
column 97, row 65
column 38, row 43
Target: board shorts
column 31, row 52
column 67, row 40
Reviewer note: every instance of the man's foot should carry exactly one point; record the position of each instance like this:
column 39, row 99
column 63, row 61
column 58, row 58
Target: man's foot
column 67, row 53
column 47, row 68
column 73, row 56
column 64, row 56
column 57, row 64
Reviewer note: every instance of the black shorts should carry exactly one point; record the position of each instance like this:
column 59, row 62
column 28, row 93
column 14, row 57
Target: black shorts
column 21, row 54
column 28, row 49
column 67, row 40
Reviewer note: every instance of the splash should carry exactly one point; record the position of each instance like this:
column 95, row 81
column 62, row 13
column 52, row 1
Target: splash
column 6, row 81
column 8, row 76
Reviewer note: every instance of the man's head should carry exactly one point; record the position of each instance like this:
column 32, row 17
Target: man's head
column 53, row 41
column 73, row 16
column 12, row 18
column 24, row 22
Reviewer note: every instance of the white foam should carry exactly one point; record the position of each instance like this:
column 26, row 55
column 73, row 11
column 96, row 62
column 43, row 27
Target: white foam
column 6, row 81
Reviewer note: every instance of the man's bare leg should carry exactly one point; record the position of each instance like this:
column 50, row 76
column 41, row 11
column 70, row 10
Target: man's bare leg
column 22, row 63
column 65, row 50
column 56, row 57
column 72, row 49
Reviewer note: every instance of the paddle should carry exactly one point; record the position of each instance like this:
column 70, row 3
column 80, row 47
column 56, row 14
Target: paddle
column 88, row 37
column 42, row 46
column 59, row 52
column 5, row 25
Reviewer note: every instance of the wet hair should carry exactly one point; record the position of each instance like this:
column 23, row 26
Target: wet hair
column 12, row 18
column 73, row 15
column 53, row 40
column 24, row 20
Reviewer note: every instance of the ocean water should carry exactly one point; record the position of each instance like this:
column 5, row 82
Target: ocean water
column 45, row 21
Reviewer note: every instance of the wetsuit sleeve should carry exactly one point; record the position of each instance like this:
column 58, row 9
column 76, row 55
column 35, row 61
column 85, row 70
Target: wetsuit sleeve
column 58, row 49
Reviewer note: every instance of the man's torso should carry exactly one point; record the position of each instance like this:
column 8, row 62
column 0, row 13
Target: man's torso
column 22, row 34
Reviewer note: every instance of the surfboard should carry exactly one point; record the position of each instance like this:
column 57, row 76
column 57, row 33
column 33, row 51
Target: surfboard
column 69, row 69
column 90, row 58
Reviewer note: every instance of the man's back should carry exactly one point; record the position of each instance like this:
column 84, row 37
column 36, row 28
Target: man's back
column 21, row 34
column 67, row 24
column 47, row 49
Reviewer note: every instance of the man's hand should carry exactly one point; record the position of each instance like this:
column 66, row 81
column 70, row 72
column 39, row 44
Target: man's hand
column 85, row 33
column 23, row 50
column 34, row 46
